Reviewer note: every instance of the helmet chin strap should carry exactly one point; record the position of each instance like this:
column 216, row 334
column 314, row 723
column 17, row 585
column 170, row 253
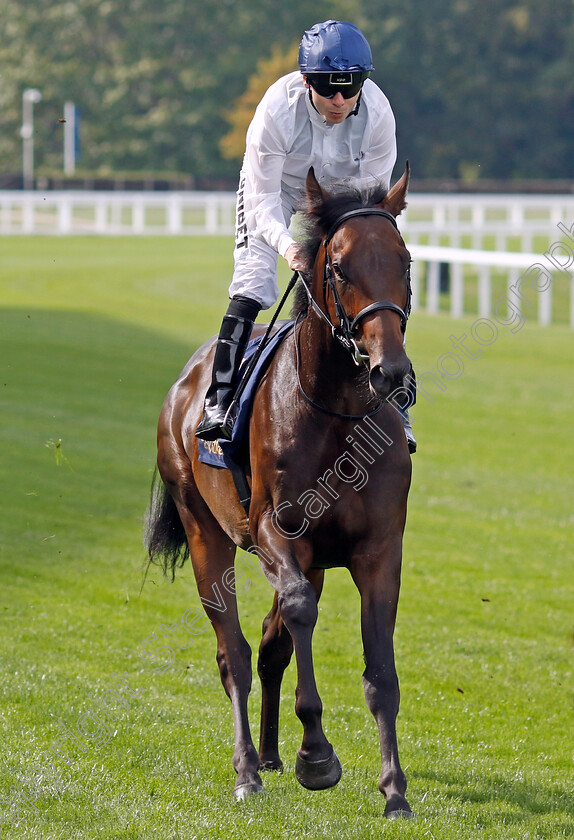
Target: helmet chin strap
column 311, row 99
column 355, row 110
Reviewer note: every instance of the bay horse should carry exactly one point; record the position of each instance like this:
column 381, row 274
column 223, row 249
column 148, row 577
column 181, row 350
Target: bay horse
column 325, row 491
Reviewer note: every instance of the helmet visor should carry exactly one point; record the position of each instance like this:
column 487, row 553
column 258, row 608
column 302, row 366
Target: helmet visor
column 328, row 85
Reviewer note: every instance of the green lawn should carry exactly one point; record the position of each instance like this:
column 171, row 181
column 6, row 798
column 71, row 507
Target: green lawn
column 93, row 333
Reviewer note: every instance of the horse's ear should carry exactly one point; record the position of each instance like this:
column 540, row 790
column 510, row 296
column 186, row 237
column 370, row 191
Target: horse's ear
column 315, row 195
column 396, row 199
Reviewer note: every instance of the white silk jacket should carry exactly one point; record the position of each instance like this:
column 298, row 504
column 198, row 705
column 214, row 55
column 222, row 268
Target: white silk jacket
column 287, row 136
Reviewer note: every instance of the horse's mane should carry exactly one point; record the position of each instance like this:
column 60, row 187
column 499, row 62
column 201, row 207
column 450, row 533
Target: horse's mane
column 318, row 220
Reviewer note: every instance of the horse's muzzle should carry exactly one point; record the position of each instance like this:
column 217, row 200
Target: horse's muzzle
column 385, row 379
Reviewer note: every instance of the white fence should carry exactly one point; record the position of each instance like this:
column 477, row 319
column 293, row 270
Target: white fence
column 116, row 213
column 489, row 247
column 471, row 247
column 512, row 223
column 523, row 280
column 494, row 222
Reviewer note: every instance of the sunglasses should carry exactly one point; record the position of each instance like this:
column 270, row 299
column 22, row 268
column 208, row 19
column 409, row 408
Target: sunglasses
column 328, row 85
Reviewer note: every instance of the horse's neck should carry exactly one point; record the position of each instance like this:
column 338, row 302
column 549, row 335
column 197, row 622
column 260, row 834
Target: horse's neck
column 327, row 373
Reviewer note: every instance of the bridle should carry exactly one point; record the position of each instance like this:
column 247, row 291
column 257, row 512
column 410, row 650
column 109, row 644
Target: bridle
column 345, row 331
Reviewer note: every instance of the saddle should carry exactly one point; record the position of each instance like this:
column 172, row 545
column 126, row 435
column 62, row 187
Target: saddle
column 233, row 454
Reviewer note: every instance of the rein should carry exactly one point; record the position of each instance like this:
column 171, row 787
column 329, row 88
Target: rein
column 316, row 405
column 250, row 367
column 347, row 328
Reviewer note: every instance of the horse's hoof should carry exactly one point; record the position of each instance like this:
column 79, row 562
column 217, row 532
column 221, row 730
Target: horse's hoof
column 242, row 792
column 318, row 775
column 398, row 808
column 400, row 814
column 271, row 764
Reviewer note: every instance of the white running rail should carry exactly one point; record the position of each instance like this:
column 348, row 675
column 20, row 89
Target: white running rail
column 479, row 237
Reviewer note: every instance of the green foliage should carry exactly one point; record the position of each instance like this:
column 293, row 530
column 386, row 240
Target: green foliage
column 93, row 333
column 479, row 89
column 153, row 81
column 268, row 71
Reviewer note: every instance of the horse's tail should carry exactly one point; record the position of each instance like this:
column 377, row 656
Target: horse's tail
column 164, row 535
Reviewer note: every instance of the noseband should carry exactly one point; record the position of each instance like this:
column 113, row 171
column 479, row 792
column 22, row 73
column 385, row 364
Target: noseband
column 347, row 328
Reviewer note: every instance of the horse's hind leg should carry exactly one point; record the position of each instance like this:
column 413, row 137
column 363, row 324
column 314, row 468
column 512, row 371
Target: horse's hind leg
column 274, row 655
column 212, row 554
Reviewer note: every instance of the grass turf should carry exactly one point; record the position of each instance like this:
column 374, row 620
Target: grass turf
column 93, row 333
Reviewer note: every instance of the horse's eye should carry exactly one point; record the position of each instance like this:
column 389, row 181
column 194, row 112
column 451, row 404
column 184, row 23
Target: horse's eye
column 338, row 271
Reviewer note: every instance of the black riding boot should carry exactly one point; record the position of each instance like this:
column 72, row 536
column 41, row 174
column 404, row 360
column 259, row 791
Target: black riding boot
column 411, row 398
column 231, row 343
column 405, row 417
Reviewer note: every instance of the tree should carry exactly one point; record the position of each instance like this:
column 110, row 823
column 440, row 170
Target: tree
column 154, row 81
column 478, row 87
column 268, row 71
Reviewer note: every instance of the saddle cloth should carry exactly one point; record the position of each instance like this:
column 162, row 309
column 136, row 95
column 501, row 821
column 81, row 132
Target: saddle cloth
column 231, row 454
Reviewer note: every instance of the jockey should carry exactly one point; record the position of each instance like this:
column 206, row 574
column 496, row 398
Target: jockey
column 330, row 116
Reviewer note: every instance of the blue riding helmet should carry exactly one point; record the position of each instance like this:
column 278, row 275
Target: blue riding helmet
column 335, row 45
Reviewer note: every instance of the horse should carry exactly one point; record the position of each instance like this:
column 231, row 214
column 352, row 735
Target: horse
column 323, row 404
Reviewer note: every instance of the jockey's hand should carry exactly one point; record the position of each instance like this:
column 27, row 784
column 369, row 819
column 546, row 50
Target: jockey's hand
column 294, row 258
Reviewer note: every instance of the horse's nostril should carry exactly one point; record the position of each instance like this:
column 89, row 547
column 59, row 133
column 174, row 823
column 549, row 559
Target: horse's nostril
column 383, row 381
column 379, row 381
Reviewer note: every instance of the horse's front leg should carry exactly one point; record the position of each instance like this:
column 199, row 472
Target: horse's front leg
column 317, row 766
column 377, row 576
column 274, row 656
